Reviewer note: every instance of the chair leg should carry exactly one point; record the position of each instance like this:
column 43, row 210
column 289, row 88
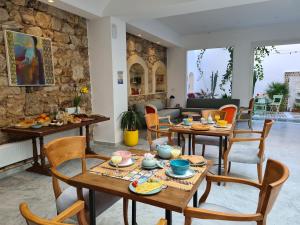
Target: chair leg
column 229, row 167
column 188, row 221
column 259, row 172
column 125, row 211
column 262, row 222
column 225, row 167
column 203, row 150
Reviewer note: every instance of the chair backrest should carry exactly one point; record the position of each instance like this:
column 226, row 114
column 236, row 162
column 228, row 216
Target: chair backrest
column 275, row 175
column 277, row 99
column 32, row 219
column 231, row 111
column 251, row 106
column 205, row 114
column 267, row 127
column 64, row 149
column 149, row 109
column 152, row 120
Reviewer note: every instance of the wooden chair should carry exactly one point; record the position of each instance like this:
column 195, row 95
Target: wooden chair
column 150, row 109
column 231, row 112
column 207, row 140
column 69, row 148
column 161, row 136
column 240, row 152
column 275, row 104
column 76, row 209
column 275, row 176
column 245, row 113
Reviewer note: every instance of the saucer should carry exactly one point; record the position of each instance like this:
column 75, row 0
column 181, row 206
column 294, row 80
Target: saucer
column 188, row 174
column 128, row 163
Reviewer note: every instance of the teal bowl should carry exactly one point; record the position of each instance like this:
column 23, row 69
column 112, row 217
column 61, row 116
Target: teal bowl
column 179, row 166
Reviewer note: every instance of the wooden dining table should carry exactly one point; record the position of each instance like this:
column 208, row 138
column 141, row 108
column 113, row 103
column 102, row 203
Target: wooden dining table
column 31, row 133
column 171, row 199
column 221, row 133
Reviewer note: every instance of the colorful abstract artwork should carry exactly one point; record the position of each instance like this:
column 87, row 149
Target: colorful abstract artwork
column 29, row 60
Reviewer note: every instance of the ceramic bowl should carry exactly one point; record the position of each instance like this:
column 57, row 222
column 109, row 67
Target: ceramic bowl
column 149, row 162
column 126, row 156
column 179, row 166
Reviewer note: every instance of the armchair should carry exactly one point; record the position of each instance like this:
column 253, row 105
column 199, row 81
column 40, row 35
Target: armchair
column 246, row 113
column 161, row 136
column 76, row 209
column 68, row 148
column 275, row 176
column 236, row 152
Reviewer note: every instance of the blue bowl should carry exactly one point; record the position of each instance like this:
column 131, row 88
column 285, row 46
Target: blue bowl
column 179, row 166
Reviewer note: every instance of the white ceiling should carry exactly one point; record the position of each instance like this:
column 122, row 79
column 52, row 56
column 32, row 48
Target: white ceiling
column 176, row 18
column 243, row 16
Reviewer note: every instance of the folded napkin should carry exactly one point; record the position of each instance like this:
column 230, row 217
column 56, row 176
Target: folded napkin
column 194, row 159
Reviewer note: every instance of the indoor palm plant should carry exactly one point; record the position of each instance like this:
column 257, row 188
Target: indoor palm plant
column 130, row 123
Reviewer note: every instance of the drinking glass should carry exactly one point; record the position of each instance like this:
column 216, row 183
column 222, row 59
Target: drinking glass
column 217, row 117
column 116, row 159
column 176, row 152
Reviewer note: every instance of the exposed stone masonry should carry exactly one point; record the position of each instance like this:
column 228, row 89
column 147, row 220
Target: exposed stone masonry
column 151, row 53
column 68, row 33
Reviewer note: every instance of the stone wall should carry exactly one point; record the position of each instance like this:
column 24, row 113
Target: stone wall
column 151, row 53
column 70, row 58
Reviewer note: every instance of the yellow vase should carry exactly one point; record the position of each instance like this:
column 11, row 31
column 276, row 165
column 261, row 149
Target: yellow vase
column 131, row 138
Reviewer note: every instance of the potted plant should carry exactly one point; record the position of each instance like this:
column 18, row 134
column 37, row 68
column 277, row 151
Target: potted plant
column 130, row 122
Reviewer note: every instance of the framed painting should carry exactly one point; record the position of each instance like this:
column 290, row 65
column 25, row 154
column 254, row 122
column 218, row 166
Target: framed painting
column 29, row 59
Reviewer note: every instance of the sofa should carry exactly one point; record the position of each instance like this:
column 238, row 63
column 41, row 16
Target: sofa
column 161, row 109
column 198, row 104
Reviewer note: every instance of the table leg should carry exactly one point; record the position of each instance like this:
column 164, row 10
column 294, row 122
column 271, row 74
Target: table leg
column 190, row 144
column 37, row 167
column 178, row 139
column 80, row 131
column 133, row 209
column 88, row 149
column 92, row 209
column 195, row 199
column 169, row 216
column 220, row 156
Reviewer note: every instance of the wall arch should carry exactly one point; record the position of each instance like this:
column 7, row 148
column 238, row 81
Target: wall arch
column 155, row 67
column 139, row 60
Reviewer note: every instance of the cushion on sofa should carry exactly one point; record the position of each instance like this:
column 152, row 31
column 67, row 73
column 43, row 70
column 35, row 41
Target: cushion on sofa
column 210, row 103
column 173, row 113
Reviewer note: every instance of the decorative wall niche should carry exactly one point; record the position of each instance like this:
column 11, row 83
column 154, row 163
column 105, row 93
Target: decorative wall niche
column 138, row 76
column 152, row 58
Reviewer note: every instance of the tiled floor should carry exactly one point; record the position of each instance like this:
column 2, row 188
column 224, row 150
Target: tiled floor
column 283, row 144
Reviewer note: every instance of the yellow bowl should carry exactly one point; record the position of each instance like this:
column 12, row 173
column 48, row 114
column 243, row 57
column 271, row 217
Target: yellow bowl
column 222, row 123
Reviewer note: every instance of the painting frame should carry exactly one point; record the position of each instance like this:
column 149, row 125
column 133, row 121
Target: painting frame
column 44, row 62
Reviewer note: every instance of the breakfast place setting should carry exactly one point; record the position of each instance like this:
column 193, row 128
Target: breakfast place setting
column 164, row 178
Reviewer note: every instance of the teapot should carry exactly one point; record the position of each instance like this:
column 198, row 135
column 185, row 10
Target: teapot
column 164, row 151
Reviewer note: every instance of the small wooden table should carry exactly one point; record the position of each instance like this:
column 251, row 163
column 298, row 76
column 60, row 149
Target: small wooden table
column 216, row 132
column 40, row 133
column 171, row 199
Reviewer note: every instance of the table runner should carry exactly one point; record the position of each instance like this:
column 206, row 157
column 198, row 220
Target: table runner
column 135, row 172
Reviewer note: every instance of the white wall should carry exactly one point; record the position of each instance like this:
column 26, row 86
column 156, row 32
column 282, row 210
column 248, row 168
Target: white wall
column 276, row 64
column 213, row 60
column 107, row 57
column 176, row 72
column 244, row 41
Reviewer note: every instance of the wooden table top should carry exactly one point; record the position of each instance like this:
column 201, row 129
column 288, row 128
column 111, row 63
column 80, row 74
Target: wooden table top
column 43, row 131
column 171, row 198
column 213, row 131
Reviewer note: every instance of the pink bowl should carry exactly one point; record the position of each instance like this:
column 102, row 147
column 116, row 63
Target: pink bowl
column 126, row 156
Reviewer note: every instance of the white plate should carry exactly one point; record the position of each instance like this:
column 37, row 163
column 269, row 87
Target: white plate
column 189, row 173
column 129, row 163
